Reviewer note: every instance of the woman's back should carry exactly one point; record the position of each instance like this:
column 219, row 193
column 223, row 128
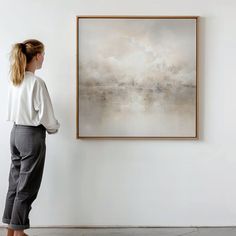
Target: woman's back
column 20, row 104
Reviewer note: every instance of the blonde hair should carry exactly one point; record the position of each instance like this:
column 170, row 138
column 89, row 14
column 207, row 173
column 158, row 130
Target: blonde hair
column 22, row 54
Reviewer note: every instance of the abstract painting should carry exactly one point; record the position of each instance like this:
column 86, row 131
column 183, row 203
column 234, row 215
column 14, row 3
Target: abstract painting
column 137, row 77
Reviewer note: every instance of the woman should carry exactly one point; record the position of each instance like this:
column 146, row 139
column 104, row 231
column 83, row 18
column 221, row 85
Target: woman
column 30, row 108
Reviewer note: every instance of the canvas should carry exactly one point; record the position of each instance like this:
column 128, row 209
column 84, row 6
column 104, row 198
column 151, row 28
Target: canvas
column 137, row 77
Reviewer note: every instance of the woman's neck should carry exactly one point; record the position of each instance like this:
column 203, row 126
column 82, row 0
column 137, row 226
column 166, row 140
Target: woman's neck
column 30, row 68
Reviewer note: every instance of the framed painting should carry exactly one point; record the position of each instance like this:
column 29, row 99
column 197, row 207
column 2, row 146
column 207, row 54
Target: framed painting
column 137, row 77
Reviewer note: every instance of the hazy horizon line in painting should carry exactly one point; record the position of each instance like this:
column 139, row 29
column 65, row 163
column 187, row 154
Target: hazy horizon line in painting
column 137, row 77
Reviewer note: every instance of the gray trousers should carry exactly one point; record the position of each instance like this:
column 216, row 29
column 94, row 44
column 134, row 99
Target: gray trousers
column 28, row 149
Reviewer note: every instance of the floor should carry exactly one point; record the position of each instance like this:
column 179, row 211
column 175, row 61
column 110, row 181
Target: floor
column 219, row 231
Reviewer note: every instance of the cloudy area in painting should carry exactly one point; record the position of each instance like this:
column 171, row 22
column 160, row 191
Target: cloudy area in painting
column 137, row 77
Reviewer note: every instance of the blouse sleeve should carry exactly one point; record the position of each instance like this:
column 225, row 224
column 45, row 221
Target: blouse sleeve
column 42, row 104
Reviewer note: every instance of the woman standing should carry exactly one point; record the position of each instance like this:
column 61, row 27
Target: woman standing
column 30, row 108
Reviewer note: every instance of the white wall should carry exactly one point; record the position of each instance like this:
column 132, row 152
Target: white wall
column 128, row 182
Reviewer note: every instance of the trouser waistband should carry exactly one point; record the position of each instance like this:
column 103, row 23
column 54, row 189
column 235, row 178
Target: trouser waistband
column 29, row 126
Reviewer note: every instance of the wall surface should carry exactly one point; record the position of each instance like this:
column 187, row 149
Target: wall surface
column 128, row 182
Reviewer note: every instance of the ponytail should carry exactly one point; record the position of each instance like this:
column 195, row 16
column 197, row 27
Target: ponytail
column 21, row 55
column 18, row 63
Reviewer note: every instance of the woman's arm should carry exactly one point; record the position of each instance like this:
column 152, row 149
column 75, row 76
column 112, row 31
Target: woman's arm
column 43, row 104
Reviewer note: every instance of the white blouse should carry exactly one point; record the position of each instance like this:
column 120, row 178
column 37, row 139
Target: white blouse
column 30, row 104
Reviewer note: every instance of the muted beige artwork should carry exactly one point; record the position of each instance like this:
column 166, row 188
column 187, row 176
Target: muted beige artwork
column 137, row 77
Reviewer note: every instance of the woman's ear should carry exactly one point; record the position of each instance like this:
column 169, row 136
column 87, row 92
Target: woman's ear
column 37, row 56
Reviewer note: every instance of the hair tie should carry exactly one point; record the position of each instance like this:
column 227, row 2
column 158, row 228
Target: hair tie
column 23, row 49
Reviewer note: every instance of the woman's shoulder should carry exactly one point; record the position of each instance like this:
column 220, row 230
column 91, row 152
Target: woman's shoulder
column 39, row 81
column 33, row 79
